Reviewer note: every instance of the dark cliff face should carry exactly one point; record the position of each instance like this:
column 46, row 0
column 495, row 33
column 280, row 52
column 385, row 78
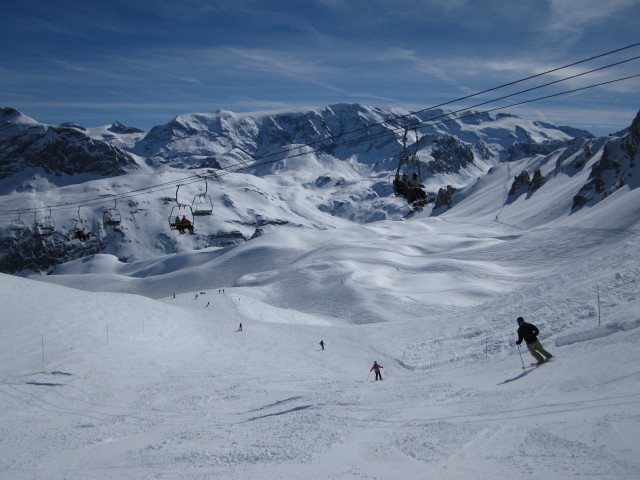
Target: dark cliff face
column 450, row 155
column 56, row 149
column 618, row 166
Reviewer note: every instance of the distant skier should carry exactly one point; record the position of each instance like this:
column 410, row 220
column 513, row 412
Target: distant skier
column 376, row 368
column 529, row 333
column 322, row 344
column 240, row 328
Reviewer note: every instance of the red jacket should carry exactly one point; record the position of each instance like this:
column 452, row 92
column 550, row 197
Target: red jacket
column 376, row 367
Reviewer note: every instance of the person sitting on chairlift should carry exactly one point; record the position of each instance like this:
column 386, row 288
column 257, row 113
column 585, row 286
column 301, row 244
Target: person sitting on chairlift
column 416, row 192
column 186, row 224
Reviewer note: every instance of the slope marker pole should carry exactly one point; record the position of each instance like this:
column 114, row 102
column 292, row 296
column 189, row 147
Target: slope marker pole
column 598, row 295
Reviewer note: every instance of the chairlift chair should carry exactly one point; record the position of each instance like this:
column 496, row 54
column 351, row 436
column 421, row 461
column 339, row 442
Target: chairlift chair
column 408, row 168
column 17, row 225
column 184, row 211
column 111, row 217
column 202, row 204
column 181, row 210
column 81, row 228
column 43, row 226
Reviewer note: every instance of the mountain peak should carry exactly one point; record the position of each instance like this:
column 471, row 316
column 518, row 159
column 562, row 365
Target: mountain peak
column 121, row 128
column 13, row 115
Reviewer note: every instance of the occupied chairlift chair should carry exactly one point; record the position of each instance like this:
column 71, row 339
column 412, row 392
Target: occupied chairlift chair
column 81, row 229
column 408, row 177
column 185, row 211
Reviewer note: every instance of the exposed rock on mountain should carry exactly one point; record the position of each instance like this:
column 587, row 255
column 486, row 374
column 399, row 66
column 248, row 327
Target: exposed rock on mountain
column 619, row 165
column 57, row 150
column 524, row 183
column 444, row 199
column 450, row 155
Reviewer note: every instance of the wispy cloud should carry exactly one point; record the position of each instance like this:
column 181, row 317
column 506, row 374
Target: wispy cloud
column 570, row 18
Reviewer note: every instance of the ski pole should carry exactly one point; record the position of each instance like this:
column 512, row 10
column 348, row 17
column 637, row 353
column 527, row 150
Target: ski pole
column 523, row 367
column 369, row 376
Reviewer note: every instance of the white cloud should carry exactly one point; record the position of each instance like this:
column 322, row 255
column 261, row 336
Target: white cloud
column 570, row 17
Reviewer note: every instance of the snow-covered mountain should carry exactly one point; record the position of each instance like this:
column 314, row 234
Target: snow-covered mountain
column 55, row 149
column 312, row 169
column 126, row 361
column 138, row 370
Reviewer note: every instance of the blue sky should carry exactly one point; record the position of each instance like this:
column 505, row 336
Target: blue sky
column 142, row 62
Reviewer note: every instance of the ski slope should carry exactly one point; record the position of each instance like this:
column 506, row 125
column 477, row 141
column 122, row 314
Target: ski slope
column 105, row 375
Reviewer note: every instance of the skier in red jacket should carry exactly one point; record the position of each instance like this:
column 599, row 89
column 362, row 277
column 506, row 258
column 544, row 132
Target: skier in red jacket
column 376, row 368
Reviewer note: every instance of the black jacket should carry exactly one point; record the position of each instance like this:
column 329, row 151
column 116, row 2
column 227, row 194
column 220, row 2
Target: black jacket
column 528, row 332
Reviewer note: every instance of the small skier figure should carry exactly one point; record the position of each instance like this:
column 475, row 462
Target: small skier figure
column 322, row 344
column 529, row 333
column 376, row 368
column 240, row 328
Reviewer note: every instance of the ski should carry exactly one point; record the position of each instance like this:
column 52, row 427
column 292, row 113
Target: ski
column 536, row 364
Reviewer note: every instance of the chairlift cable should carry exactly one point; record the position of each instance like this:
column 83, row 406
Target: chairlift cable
column 463, row 98
column 242, row 166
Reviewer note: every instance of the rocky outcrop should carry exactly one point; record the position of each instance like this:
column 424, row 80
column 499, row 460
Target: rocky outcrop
column 444, row 198
column 619, row 165
column 450, row 155
column 523, row 183
column 56, row 149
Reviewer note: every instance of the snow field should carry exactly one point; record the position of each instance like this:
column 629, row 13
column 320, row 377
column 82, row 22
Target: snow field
column 176, row 392
column 138, row 384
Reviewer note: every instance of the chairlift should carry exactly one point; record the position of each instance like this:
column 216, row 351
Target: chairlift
column 202, row 204
column 43, row 226
column 17, row 225
column 407, row 182
column 81, row 229
column 111, row 217
column 181, row 217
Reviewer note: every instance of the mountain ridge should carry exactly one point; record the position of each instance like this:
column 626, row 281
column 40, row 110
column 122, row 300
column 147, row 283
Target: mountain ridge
column 317, row 168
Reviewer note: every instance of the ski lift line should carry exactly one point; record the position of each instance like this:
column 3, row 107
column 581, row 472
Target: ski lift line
column 527, row 90
column 536, row 99
column 425, row 123
column 106, row 199
column 462, row 98
column 475, row 114
column 243, row 166
column 411, row 125
column 195, row 178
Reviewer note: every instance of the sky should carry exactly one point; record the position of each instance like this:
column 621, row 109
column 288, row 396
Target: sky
column 144, row 62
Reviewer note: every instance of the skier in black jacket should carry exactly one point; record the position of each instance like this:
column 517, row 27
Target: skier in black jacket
column 529, row 333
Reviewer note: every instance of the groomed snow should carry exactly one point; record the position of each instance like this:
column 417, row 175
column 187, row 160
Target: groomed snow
column 115, row 378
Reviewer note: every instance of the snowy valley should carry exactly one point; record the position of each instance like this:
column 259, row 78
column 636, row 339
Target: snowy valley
column 127, row 361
